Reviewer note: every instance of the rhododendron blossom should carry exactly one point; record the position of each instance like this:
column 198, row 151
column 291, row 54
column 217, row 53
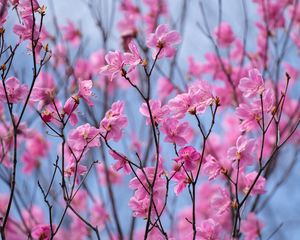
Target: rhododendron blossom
column 163, row 41
column 149, row 119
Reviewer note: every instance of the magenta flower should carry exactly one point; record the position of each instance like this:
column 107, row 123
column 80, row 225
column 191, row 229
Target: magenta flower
column 253, row 85
column 114, row 122
column 242, row 151
column 177, row 133
column 224, row 34
column 41, row 232
column 158, row 112
column 189, row 157
column 16, row 92
column 251, row 227
column 115, row 63
column 163, row 41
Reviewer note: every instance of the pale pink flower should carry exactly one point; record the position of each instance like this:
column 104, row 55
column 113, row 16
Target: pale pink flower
column 44, row 89
column 250, row 116
column 85, row 92
column 72, row 168
column 251, row 227
column 180, row 177
column 199, row 96
column 113, row 175
column 164, row 88
column 208, row 230
column 247, row 180
column 83, row 69
column 253, row 85
column 115, row 63
column 134, row 57
column 84, row 136
column 16, row 92
column 24, row 31
column 224, row 34
column 195, row 69
column 189, row 157
column 59, row 55
column 36, row 147
column 163, row 41
column 221, row 201
column 176, row 132
column 114, row 122
column 139, row 203
column 99, row 215
column 71, row 33
column 242, row 151
column 158, row 112
column 122, row 162
column 212, row 167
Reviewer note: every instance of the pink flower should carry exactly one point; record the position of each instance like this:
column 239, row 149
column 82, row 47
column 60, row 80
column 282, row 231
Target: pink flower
column 195, row 101
column 99, row 216
column 36, row 147
column 114, row 122
column 189, row 157
column 44, row 89
column 115, row 63
column 140, row 202
column 82, row 137
column 251, row 227
column 163, row 42
column 41, row 232
column 164, row 88
column 177, row 133
column 71, row 33
column 253, row 85
column 208, row 230
column 85, row 92
column 195, row 69
column 16, row 92
column 246, row 181
column 212, row 167
column 224, row 34
column 121, row 162
column 134, row 57
column 24, row 31
column 251, row 114
column 3, row 16
column 114, row 176
column 242, row 151
column 83, row 69
column 158, row 112
column 180, row 177
column 71, row 169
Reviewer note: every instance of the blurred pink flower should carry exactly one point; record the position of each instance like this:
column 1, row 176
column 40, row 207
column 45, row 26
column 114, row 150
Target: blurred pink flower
column 163, row 41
